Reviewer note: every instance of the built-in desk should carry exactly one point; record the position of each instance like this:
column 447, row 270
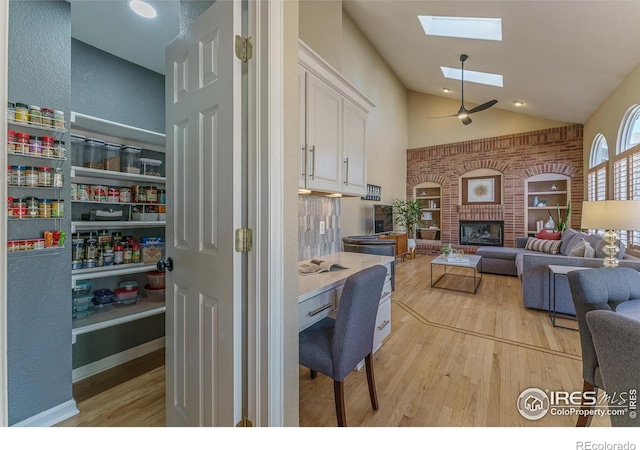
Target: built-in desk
column 319, row 294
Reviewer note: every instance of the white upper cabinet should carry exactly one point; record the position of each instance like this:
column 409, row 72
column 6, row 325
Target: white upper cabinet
column 333, row 123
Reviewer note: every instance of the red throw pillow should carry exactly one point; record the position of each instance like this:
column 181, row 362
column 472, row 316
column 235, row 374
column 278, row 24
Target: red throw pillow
column 544, row 234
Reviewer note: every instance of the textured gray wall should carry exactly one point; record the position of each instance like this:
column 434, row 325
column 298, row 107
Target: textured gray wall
column 111, row 88
column 38, row 309
column 190, row 10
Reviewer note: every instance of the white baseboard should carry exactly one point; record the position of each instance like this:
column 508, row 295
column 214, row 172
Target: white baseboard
column 109, row 362
column 51, row 416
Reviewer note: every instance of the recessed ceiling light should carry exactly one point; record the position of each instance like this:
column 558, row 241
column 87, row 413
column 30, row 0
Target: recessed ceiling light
column 142, row 9
column 491, row 79
column 462, row 27
column 446, row 90
column 518, row 103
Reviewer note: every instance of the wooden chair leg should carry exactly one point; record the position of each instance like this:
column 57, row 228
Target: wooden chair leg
column 314, row 374
column 584, row 419
column 368, row 360
column 338, row 392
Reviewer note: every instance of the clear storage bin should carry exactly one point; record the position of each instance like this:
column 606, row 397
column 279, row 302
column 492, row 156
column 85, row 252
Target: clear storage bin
column 150, row 167
column 111, row 160
column 129, row 159
column 77, row 150
column 93, row 153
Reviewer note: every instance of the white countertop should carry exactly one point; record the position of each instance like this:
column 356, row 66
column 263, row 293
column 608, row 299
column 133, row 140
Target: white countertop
column 312, row 285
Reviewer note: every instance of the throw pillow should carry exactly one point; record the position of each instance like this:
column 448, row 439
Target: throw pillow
column 579, row 248
column 589, row 251
column 543, row 245
column 566, row 239
column 544, row 234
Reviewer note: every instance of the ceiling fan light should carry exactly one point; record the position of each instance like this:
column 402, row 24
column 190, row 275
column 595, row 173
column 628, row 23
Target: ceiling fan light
column 462, row 115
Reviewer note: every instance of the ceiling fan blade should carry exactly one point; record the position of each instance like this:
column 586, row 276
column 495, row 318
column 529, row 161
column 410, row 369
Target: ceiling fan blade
column 482, row 107
column 441, row 117
column 466, row 120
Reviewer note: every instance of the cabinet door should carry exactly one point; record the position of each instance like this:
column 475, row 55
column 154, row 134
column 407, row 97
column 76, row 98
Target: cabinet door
column 324, row 118
column 354, row 121
column 302, row 108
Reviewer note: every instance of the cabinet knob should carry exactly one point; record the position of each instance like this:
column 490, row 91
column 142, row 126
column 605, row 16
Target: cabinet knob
column 168, row 264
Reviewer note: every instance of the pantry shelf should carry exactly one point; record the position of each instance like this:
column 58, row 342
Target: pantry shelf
column 77, row 171
column 99, row 225
column 110, row 271
column 117, row 316
column 125, row 133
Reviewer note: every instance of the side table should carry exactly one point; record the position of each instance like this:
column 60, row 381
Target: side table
column 555, row 271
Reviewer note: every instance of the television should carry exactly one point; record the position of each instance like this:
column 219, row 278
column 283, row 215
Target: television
column 382, row 219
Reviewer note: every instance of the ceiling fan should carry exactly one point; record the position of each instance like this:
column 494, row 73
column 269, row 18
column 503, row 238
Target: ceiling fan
column 463, row 113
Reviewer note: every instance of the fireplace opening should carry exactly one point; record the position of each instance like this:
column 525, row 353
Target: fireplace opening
column 482, row 232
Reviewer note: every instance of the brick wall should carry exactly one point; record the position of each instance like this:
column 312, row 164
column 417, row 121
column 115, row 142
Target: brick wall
column 516, row 156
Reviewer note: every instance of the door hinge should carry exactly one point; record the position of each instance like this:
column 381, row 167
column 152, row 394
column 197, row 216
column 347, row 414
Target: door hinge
column 244, row 48
column 244, row 422
column 244, row 240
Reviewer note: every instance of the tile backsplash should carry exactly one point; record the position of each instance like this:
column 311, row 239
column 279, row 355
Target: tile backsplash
column 312, row 209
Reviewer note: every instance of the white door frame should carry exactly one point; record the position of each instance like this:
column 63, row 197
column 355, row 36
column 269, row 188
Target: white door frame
column 266, row 178
column 4, row 62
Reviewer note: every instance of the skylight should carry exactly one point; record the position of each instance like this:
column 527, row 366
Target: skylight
column 491, row 79
column 462, row 27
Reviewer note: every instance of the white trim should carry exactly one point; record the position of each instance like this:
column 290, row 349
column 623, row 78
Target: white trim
column 51, row 416
column 4, row 46
column 109, row 362
column 266, row 161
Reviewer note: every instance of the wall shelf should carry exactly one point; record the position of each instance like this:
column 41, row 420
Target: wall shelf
column 77, row 171
column 117, row 316
column 99, row 225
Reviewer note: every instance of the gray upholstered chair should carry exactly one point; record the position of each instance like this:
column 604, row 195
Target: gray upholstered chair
column 335, row 347
column 373, row 246
column 598, row 289
column 617, row 342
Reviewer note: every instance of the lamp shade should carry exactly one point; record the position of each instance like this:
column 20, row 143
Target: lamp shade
column 611, row 215
column 427, row 215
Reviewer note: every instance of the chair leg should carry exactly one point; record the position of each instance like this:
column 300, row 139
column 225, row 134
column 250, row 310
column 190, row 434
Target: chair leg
column 584, row 420
column 368, row 360
column 314, row 374
column 338, row 392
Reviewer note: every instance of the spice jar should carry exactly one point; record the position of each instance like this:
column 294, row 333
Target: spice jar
column 21, row 112
column 31, row 176
column 19, row 208
column 32, row 207
column 58, row 177
column 118, row 254
column 116, row 238
column 35, row 115
column 108, row 256
column 11, row 111
column 9, row 207
column 47, row 146
column 18, row 175
column 45, row 208
column 9, row 175
column 35, row 144
column 47, row 117
column 77, row 247
column 57, row 208
column 135, row 253
column 58, row 119
column 59, row 148
column 22, row 142
column 104, row 238
column 127, row 254
column 11, row 141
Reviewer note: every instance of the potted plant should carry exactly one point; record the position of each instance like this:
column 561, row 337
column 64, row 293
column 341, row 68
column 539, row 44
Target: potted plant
column 560, row 223
column 408, row 214
column 446, row 250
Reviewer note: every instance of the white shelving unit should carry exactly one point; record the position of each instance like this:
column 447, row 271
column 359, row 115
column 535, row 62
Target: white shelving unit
column 125, row 135
column 429, row 195
column 541, row 187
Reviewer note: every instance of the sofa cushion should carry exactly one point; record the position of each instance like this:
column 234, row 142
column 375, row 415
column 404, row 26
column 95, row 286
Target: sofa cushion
column 567, row 236
column 543, row 245
column 508, row 253
column 544, row 234
column 583, row 249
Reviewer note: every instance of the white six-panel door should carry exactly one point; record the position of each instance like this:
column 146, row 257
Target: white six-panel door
column 203, row 95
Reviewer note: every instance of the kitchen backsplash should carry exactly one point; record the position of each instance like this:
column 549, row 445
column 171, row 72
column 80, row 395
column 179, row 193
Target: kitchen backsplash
column 313, row 209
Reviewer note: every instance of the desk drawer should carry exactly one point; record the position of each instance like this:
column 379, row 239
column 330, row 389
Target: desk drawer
column 316, row 308
column 383, row 324
column 386, row 291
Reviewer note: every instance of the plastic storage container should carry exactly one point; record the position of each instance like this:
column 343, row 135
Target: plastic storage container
column 129, row 159
column 82, row 302
column 156, row 279
column 77, row 150
column 82, row 287
column 150, row 167
column 111, row 160
column 124, row 294
column 155, row 295
column 93, row 153
column 103, row 296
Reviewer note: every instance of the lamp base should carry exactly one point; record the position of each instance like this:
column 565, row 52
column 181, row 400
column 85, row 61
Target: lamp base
column 610, row 249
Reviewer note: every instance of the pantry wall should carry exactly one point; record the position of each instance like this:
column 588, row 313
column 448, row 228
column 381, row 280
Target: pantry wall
column 71, row 76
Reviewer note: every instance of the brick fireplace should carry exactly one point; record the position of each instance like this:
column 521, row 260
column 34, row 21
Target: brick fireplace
column 516, row 157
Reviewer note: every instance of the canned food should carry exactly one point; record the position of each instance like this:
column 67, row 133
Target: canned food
column 83, row 192
column 89, row 263
column 99, row 193
column 125, row 195
column 113, row 195
column 151, row 194
column 76, row 264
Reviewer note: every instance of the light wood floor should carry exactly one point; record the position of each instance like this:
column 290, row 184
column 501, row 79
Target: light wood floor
column 452, row 359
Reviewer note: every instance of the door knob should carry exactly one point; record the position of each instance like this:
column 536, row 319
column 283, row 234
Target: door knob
column 168, row 264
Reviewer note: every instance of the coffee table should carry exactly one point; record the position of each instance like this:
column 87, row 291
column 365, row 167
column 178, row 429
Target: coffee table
column 455, row 279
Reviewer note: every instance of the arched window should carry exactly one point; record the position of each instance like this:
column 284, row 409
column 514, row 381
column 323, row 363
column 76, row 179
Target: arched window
column 597, row 174
column 626, row 167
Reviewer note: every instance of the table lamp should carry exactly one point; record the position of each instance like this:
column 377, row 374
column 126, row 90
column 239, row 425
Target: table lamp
column 427, row 216
column 611, row 215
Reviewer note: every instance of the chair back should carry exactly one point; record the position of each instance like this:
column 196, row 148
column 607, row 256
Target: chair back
column 356, row 319
column 599, row 289
column 617, row 342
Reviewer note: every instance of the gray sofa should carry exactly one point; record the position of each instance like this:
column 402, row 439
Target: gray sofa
column 533, row 267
